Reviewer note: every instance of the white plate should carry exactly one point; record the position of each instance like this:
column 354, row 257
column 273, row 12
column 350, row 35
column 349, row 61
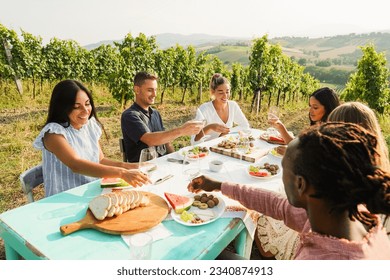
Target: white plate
column 270, row 160
column 216, row 210
column 184, row 150
column 274, row 153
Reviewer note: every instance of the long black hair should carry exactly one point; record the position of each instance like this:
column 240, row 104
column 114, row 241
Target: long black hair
column 328, row 98
column 340, row 161
column 62, row 102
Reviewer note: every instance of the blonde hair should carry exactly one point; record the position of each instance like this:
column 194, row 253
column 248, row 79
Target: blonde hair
column 358, row 113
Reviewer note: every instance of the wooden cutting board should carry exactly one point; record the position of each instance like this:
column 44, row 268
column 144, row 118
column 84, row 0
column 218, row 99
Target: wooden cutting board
column 252, row 157
column 136, row 220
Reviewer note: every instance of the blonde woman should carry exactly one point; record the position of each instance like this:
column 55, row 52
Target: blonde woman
column 356, row 112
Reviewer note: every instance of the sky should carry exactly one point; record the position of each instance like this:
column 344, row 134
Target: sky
column 92, row 21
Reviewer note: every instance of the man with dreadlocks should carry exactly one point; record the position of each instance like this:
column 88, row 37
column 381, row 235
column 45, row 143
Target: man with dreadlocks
column 334, row 190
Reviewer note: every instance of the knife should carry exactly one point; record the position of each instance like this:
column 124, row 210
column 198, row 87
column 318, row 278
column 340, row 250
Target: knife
column 177, row 160
column 163, row 179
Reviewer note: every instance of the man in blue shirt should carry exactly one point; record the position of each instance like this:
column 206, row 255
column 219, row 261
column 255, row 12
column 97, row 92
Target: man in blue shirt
column 142, row 125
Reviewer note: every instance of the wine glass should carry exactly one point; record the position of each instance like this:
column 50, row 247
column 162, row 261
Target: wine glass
column 245, row 133
column 205, row 137
column 273, row 114
column 191, row 166
column 201, row 118
column 147, row 155
column 242, row 147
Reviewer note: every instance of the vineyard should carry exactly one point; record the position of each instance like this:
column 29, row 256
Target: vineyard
column 271, row 78
column 270, row 72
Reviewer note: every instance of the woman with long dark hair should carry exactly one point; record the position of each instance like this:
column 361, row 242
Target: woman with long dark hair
column 71, row 153
column 321, row 103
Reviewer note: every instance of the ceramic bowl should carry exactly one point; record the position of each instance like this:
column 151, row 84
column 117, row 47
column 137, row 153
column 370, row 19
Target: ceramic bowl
column 215, row 165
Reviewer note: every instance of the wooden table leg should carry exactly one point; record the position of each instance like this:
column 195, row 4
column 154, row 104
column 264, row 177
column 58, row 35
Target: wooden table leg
column 243, row 244
column 10, row 253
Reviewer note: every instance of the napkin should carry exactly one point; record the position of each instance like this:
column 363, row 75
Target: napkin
column 158, row 232
column 249, row 217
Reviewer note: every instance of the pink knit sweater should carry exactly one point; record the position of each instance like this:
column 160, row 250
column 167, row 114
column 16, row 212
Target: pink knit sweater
column 313, row 246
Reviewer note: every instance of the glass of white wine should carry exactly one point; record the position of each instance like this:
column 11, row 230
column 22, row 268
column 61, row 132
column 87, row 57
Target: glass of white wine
column 191, row 167
column 242, row 147
column 273, row 114
column 205, row 137
column 145, row 160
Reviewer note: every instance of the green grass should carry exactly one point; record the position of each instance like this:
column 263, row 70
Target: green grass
column 22, row 117
column 233, row 54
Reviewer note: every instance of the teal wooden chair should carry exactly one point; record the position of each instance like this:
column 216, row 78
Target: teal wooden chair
column 30, row 179
column 122, row 148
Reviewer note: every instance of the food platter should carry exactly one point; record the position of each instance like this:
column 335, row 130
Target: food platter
column 209, row 215
column 228, row 144
column 261, row 171
column 194, row 152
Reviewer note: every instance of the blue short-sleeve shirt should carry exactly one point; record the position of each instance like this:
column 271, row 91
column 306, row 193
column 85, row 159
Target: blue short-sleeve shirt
column 135, row 122
column 58, row 177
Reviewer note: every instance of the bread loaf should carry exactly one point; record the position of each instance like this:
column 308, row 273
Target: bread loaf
column 100, row 206
column 116, row 203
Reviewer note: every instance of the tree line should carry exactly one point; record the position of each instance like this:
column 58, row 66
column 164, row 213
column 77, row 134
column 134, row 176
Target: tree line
column 270, row 78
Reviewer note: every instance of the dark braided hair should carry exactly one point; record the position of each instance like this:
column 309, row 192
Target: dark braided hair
column 340, row 161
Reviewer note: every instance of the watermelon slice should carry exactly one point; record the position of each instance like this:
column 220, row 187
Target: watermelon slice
column 276, row 139
column 179, row 203
column 113, row 182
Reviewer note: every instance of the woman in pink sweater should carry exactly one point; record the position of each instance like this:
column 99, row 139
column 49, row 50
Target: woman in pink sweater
column 333, row 188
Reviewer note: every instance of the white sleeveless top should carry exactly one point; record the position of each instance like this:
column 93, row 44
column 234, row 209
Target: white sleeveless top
column 57, row 177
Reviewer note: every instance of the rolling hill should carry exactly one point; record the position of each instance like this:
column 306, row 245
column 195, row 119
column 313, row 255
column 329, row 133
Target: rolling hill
column 342, row 51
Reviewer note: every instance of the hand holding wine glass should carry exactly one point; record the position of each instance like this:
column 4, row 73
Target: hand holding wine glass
column 205, row 137
column 273, row 115
column 273, row 112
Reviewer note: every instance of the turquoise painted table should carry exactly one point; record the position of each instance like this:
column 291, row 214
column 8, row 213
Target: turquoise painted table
column 32, row 232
